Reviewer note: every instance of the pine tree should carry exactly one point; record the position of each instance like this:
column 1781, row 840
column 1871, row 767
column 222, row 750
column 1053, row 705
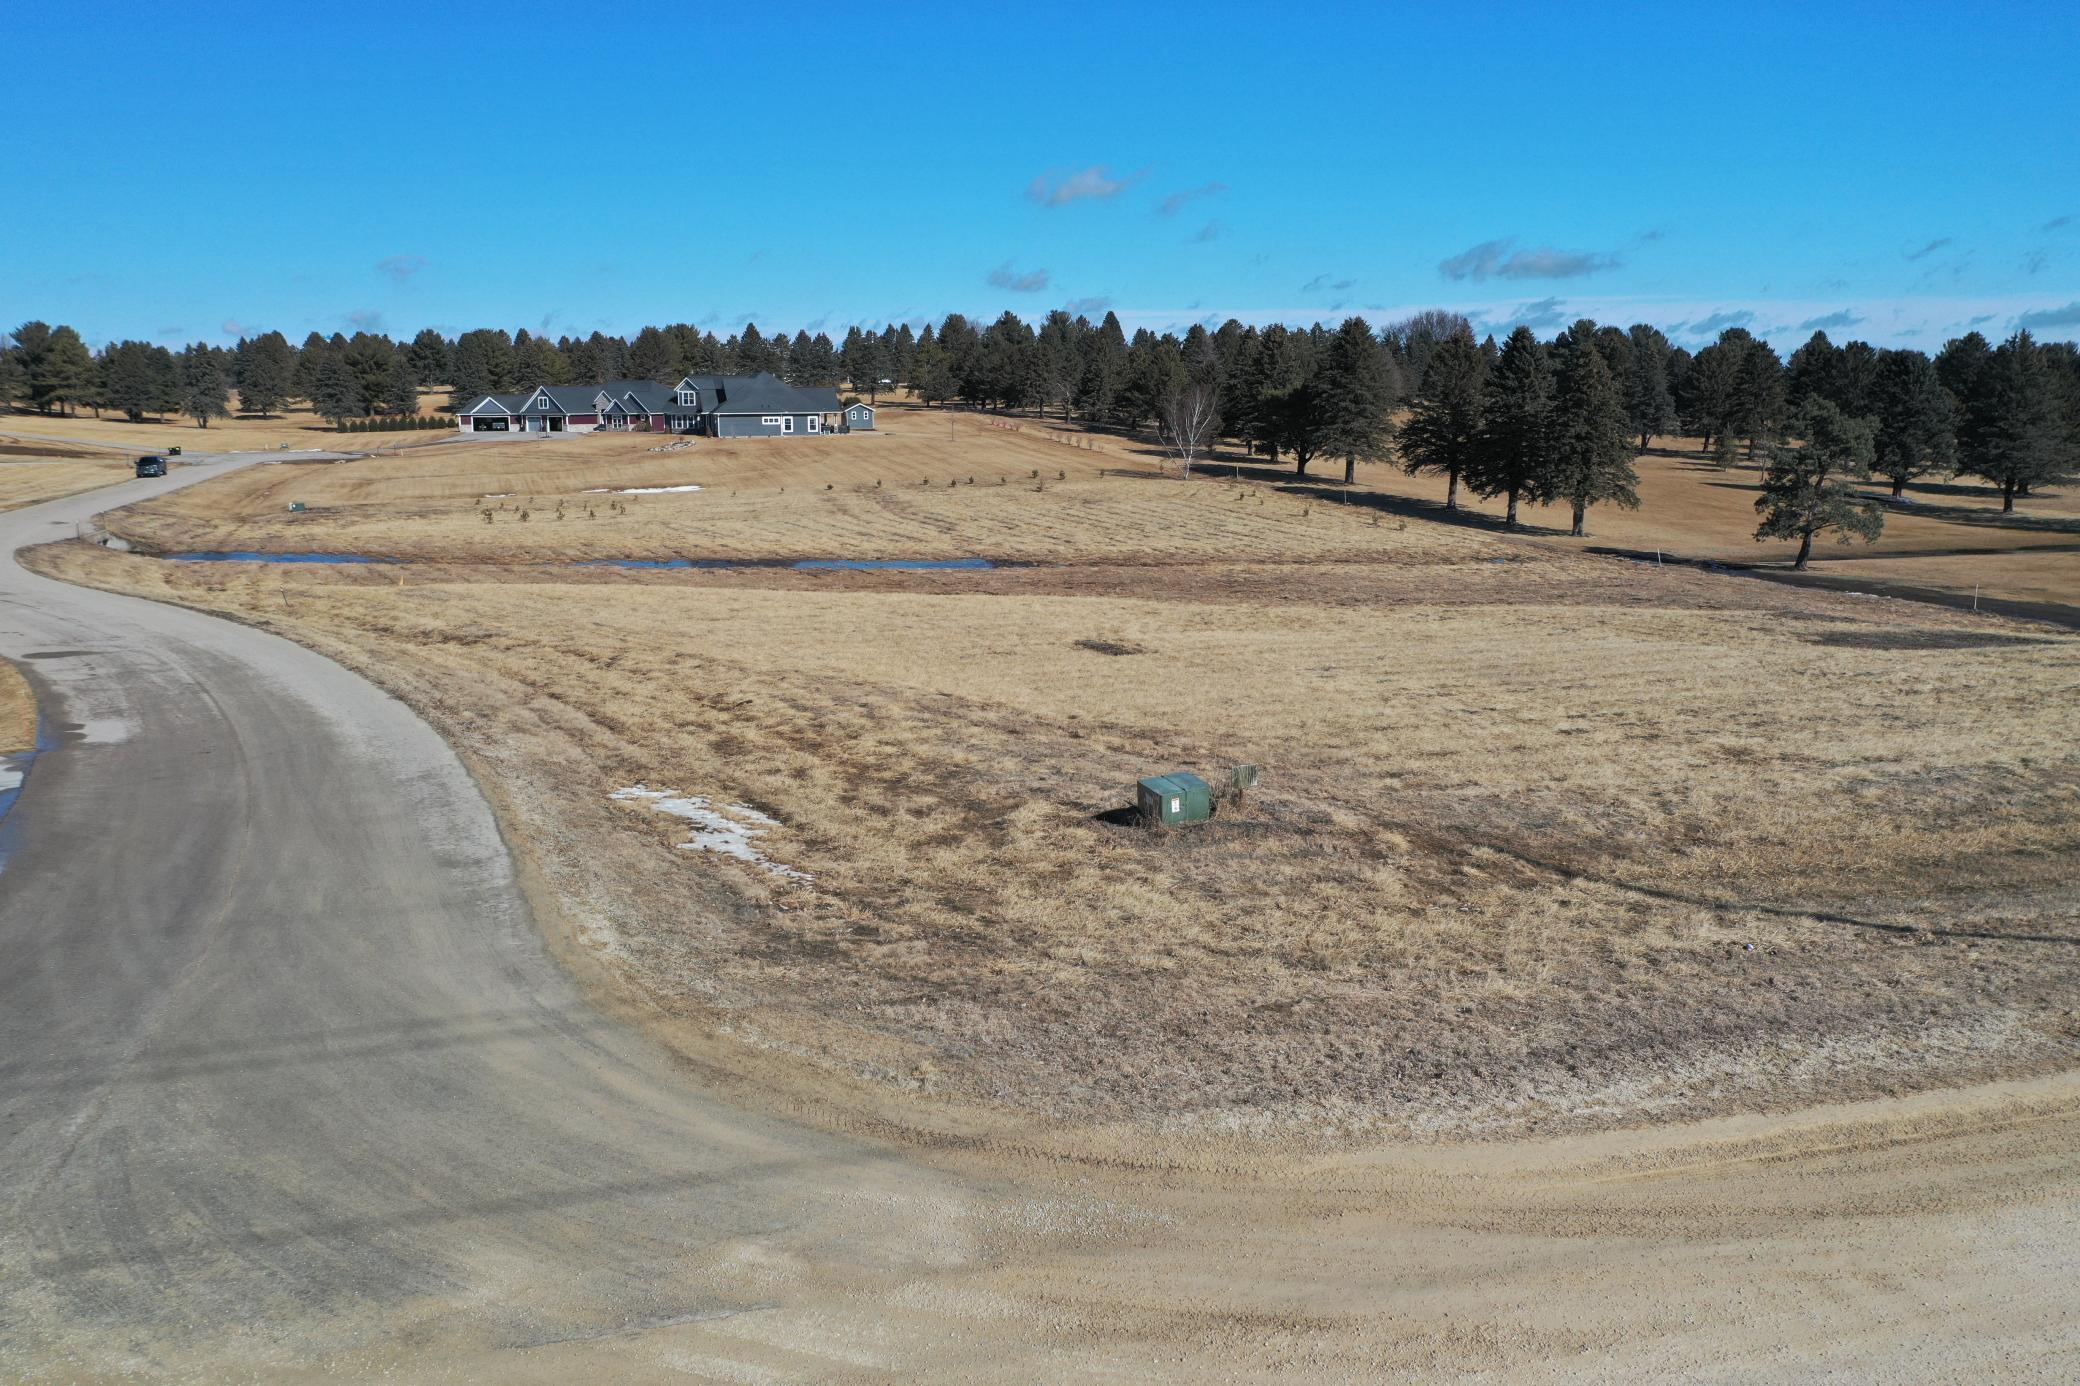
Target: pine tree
column 1591, row 456
column 131, row 378
column 1810, row 487
column 1758, row 393
column 401, row 394
column 336, row 393
column 1103, row 364
column 931, row 374
column 2018, row 439
column 59, row 367
column 1516, row 426
column 1442, row 433
column 265, row 370
column 204, row 393
column 430, row 357
column 1650, row 405
column 1915, row 418
column 14, row 380
column 309, row 357
column 754, row 354
column 1706, row 397
column 861, row 358
column 1355, row 382
column 651, row 357
column 1815, row 370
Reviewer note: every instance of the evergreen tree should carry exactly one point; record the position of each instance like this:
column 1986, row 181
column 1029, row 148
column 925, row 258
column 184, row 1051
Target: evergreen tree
column 370, row 357
column 133, row 378
column 309, row 357
column 336, row 393
column 1058, row 360
column 1004, row 373
column 1154, row 373
column 204, row 393
column 58, row 367
column 2018, row 438
column 1707, row 394
column 469, row 372
column 611, row 356
column 401, row 391
column 1815, row 369
column 1103, row 365
column 754, row 354
column 931, row 374
column 1516, row 426
column 1591, row 457
column 1959, row 365
column 1442, row 433
column 1915, row 418
column 14, row 380
column 1758, row 392
column 1356, row 386
column 582, row 359
column 1650, row 406
column 431, row 358
column 536, row 361
column 1810, row 487
column 1856, row 381
column 265, row 369
column 861, row 359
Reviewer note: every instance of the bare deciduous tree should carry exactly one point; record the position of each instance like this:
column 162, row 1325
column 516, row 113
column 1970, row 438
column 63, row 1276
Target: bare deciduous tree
column 1190, row 413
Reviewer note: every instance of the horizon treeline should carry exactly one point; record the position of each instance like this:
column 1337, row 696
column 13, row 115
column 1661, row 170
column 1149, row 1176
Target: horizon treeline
column 1526, row 418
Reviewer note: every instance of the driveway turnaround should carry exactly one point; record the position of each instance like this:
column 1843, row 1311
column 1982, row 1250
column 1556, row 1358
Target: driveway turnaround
column 291, row 1088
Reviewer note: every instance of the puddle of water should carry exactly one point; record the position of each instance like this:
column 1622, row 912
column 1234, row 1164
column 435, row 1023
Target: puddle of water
column 876, row 565
column 14, row 773
column 254, row 556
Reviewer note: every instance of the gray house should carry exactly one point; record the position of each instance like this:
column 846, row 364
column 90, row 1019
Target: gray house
column 759, row 406
column 859, row 418
column 721, row 406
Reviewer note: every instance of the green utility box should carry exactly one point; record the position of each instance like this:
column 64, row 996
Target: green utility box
column 1178, row 798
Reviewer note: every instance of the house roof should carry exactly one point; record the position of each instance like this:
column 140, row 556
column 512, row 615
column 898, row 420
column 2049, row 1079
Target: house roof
column 764, row 393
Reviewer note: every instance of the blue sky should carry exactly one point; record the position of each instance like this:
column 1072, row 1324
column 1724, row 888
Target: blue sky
column 206, row 170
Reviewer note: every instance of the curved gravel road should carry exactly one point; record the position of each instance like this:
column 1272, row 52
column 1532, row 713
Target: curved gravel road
column 284, row 1068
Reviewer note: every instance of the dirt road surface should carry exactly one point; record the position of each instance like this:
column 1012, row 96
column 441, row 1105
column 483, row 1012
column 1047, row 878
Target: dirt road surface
column 290, row 1086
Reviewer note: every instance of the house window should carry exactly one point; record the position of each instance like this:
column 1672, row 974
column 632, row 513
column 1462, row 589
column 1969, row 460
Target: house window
column 815, row 424
column 787, row 423
column 770, row 420
column 687, row 397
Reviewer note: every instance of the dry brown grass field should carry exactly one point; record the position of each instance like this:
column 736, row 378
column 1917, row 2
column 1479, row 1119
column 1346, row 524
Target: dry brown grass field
column 17, row 710
column 1947, row 534
column 294, row 427
column 1545, row 838
column 32, row 471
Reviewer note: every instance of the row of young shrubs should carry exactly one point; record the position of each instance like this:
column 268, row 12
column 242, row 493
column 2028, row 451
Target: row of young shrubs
column 399, row 423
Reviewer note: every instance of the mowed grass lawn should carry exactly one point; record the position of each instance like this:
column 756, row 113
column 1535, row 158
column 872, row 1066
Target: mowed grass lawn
column 1543, row 838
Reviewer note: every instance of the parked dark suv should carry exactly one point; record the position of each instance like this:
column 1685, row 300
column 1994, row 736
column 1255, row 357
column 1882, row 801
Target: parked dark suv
column 151, row 466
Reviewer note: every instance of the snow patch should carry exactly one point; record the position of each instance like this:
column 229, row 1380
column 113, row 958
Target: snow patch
column 636, row 490
column 727, row 830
